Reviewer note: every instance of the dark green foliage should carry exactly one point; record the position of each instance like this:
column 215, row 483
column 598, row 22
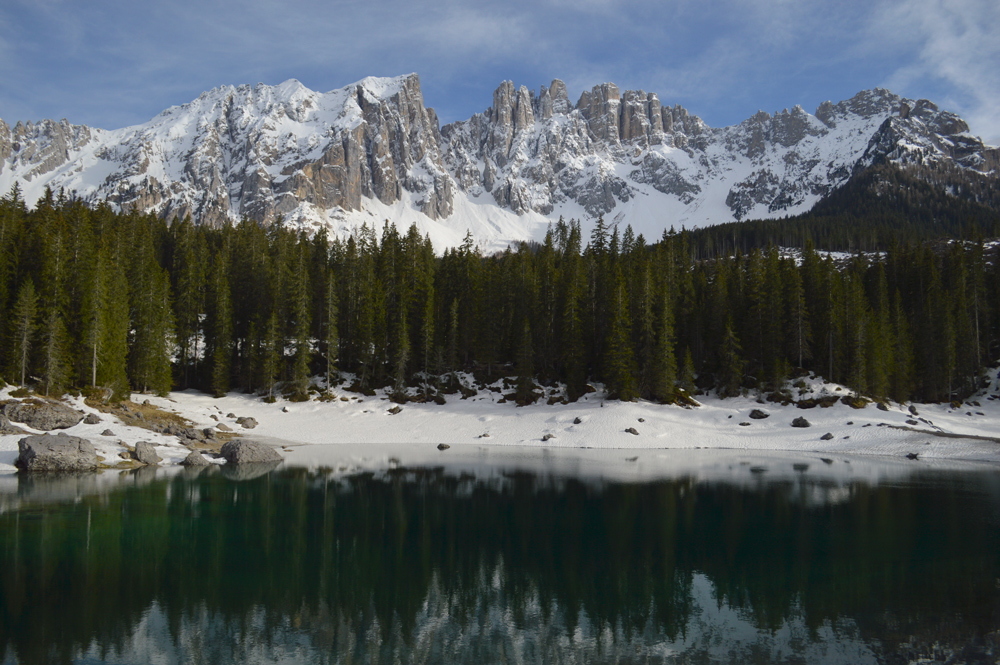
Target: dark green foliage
column 90, row 297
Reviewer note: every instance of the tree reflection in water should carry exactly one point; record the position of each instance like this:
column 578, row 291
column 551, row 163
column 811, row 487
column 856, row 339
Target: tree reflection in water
column 417, row 565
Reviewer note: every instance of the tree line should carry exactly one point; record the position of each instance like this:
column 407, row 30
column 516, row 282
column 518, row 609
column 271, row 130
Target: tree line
column 93, row 298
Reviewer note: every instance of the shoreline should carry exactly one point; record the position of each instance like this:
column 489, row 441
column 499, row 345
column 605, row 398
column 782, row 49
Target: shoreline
column 352, row 421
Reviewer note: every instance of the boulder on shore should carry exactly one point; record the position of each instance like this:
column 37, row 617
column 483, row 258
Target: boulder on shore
column 44, row 452
column 146, row 453
column 45, row 416
column 241, row 451
column 195, row 459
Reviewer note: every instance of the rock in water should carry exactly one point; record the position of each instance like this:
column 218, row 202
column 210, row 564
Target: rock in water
column 443, row 446
column 146, row 453
column 246, row 422
column 801, row 422
column 195, row 459
column 45, row 416
column 43, row 452
column 241, row 451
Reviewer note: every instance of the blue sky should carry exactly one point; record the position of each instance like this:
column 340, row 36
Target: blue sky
column 116, row 63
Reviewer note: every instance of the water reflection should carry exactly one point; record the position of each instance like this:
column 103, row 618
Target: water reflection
column 428, row 565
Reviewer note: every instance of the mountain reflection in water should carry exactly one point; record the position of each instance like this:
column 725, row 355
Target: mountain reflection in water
column 422, row 565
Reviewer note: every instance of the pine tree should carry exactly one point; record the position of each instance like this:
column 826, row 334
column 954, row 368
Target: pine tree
column 221, row 328
column 664, row 360
column 271, row 353
column 112, row 350
column 620, row 370
column 25, row 313
column 525, row 368
column 402, row 360
column 56, row 361
column 687, row 371
column 730, row 363
column 331, row 340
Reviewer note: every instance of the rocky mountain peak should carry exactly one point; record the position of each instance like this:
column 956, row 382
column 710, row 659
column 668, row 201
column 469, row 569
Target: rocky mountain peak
column 373, row 150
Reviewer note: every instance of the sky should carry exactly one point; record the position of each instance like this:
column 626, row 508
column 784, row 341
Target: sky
column 110, row 63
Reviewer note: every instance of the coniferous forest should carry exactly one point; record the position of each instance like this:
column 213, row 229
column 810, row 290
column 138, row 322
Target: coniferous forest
column 92, row 298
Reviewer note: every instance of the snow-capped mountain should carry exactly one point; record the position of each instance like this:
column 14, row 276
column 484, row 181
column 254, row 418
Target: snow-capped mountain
column 372, row 151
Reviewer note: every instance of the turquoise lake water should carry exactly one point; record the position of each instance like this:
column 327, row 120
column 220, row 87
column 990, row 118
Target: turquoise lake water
column 424, row 565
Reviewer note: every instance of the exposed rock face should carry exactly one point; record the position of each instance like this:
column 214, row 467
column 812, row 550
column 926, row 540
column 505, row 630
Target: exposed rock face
column 336, row 158
column 45, row 416
column 241, row 451
column 259, row 151
column 45, row 452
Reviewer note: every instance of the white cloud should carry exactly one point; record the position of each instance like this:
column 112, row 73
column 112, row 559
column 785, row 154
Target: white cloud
column 955, row 47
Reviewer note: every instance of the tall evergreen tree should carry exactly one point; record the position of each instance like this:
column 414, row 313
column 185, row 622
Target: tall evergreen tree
column 24, row 322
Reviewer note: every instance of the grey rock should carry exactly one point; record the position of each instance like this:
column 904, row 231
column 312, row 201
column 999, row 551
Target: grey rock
column 45, row 416
column 6, row 429
column 195, row 459
column 801, row 422
column 744, row 424
column 394, row 410
column 757, row 414
column 444, row 446
column 913, row 410
column 912, row 456
column 91, row 419
column 246, row 422
column 107, row 432
column 146, row 453
column 230, row 415
column 826, row 437
column 881, row 406
column 242, row 451
column 223, row 427
column 577, row 421
column 45, row 452
column 632, row 430
column 548, row 437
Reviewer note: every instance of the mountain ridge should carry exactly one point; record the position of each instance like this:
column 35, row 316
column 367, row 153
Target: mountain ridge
column 373, row 150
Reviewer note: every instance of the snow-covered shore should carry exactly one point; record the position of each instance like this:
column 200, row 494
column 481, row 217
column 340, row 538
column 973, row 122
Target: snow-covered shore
column 359, row 428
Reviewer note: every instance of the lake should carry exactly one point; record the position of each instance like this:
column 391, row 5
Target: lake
column 523, row 556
